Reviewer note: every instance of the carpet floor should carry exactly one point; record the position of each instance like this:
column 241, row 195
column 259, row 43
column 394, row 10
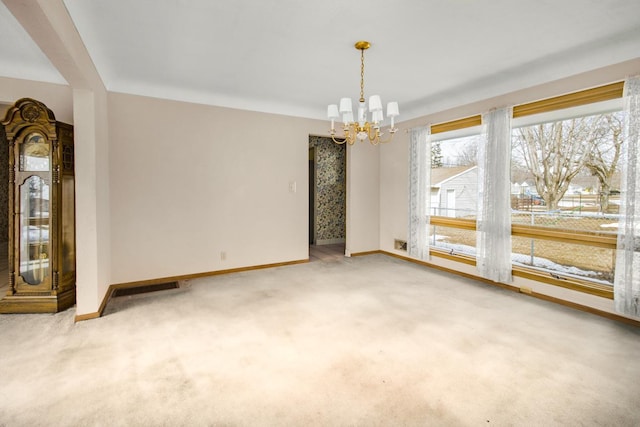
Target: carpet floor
column 367, row 341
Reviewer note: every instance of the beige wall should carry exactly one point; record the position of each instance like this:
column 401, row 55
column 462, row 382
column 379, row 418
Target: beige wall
column 394, row 162
column 58, row 98
column 93, row 224
column 164, row 187
column 190, row 181
column 363, row 189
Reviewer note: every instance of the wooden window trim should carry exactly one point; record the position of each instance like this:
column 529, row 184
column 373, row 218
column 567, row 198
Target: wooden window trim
column 587, row 238
column 567, row 236
column 571, row 283
column 467, row 122
column 575, row 99
column 443, row 221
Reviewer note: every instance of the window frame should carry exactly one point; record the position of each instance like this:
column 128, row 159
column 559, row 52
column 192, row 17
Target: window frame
column 594, row 95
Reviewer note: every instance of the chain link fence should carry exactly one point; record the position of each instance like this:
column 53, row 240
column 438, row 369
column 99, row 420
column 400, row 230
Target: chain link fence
column 568, row 220
column 556, row 257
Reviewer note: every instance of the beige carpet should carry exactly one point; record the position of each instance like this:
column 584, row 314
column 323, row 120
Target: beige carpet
column 368, row 341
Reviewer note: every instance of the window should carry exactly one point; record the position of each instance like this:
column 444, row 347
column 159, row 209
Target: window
column 565, row 178
column 454, row 191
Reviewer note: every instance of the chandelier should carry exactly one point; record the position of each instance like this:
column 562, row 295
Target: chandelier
column 362, row 129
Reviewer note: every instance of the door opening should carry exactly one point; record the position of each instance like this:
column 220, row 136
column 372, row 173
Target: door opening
column 312, row 196
column 327, row 191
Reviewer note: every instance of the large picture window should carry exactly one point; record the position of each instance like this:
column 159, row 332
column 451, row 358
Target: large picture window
column 565, row 176
column 565, row 193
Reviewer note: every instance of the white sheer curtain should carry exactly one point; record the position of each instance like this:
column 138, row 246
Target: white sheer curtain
column 419, row 192
column 626, row 283
column 493, row 229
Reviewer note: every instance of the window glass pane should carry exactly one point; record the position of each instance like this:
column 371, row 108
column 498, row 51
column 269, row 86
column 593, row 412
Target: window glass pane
column 34, row 225
column 565, row 175
column 563, row 259
column 454, row 177
column 454, row 240
column 570, row 171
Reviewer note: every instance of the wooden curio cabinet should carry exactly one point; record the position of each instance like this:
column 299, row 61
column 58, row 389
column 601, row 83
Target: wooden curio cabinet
column 42, row 258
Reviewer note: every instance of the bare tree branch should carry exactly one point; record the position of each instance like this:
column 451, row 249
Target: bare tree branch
column 605, row 155
column 554, row 153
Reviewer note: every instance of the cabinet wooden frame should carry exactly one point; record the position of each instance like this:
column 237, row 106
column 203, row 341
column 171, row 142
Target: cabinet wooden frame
column 53, row 289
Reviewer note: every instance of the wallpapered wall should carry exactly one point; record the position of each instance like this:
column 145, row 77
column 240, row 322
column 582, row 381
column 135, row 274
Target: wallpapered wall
column 330, row 189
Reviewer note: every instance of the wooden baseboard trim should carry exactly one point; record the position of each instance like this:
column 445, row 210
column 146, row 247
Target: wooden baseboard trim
column 97, row 314
column 366, row 253
column 112, row 288
column 576, row 306
column 587, row 309
column 450, row 270
column 87, row 316
column 527, row 273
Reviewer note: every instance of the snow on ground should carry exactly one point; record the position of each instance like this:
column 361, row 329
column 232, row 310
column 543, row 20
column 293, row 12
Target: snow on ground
column 612, row 225
column 525, row 261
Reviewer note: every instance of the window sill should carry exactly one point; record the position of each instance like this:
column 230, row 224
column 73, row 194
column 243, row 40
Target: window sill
column 571, row 283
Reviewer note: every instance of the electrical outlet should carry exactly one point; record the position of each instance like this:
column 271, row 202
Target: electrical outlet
column 223, row 256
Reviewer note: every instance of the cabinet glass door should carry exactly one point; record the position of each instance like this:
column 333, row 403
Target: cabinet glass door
column 34, row 153
column 34, row 230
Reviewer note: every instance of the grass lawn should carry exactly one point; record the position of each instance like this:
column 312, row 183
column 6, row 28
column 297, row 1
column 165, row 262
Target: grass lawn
column 601, row 261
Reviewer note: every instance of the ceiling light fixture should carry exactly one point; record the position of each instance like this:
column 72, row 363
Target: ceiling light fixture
column 362, row 129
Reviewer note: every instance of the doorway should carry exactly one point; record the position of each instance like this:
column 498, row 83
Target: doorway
column 327, row 191
column 312, row 196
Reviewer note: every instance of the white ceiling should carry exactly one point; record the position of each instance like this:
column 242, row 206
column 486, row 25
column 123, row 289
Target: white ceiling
column 295, row 57
column 20, row 57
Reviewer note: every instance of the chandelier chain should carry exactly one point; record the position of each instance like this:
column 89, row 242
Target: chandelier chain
column 361, row 75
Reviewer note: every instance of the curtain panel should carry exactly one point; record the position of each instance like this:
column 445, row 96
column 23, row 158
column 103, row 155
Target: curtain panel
column 493, row 229
column 626, row 283
column 419, row 193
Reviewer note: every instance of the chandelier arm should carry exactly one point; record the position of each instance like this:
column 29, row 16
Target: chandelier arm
column 349, row 135
column 336, row 141
column 376, row 134
column 392, row 132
